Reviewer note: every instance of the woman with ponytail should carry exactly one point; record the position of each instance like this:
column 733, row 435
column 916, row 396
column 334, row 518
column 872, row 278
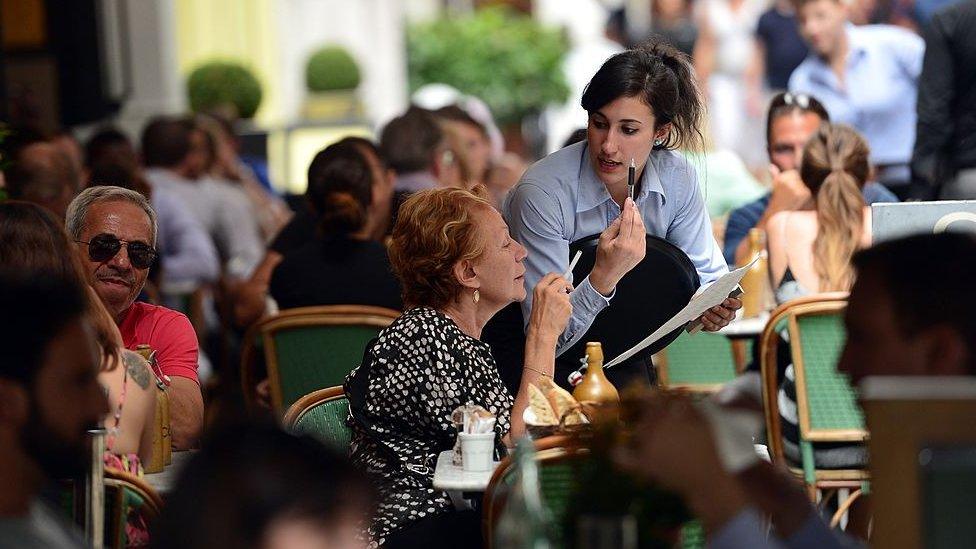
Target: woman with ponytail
column 810, row 251
column 345, row 264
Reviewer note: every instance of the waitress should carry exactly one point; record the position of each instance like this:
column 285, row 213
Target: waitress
column 643, row 104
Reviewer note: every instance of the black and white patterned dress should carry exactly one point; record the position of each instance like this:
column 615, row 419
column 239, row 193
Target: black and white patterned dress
column 417, row 371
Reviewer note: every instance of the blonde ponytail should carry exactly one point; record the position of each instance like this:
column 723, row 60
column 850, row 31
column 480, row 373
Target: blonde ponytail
column 835, row 167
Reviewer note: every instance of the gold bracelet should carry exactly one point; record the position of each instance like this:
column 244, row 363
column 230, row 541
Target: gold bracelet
column 540, row 372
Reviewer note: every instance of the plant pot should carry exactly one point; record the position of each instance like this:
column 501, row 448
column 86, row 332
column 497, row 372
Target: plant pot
column 333, row 105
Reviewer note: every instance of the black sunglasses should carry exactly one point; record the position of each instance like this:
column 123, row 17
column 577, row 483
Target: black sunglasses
column 103, row 247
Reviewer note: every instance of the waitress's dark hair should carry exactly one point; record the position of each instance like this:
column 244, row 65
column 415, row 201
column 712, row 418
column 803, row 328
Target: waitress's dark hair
column 663, row 78
column 340, row 187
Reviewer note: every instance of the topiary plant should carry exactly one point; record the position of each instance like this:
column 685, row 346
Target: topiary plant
column 331, row 68
column 219, row 84
column 505, row 58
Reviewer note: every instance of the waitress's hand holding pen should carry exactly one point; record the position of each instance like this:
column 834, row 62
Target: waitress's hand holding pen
column 622, row 246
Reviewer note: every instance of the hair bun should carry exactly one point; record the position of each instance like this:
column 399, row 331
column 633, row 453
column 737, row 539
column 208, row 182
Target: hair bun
column 342, row 215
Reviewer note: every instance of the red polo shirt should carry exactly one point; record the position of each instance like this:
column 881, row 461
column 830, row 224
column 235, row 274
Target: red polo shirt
column 167, row 332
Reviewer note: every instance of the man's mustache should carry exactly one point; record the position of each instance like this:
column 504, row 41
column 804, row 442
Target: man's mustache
column 115, row 272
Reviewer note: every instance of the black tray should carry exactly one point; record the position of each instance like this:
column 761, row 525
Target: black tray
column 646, row 297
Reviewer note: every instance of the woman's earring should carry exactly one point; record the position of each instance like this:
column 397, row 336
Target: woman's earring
column 477, row 296
column 658, row 142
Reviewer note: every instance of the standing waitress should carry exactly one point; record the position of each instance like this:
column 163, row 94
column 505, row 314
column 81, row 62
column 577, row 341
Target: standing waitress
column 642, row 103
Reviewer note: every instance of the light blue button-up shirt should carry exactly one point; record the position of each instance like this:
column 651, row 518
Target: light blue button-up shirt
column 879, row 91
column 560, row 200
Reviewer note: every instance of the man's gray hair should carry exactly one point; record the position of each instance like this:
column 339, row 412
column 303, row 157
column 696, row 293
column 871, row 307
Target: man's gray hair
column 78, row 209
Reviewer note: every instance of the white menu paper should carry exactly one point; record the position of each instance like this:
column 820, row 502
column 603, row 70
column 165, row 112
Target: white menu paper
column 712, row 295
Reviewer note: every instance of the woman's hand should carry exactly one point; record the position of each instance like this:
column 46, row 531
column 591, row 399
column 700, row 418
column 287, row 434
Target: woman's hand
column 719, row 316
column 550, row 315
column 622, row 246
column 550, row 306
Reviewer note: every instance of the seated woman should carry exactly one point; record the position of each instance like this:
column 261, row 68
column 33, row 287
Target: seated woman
column 343, row 265
column 458, row 266
column 810, row 252
column 250, row 302
column 33, row 241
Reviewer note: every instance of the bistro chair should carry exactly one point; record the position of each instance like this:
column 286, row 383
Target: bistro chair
column 127, row 498
column 322, row 414
column 700, row 363
column 827, row 408
column 309, row 348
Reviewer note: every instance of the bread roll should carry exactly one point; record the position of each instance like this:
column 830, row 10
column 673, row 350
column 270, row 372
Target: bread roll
column 563, row 404
column 541, row 407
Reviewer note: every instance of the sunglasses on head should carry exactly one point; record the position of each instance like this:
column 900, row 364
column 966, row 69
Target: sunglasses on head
column 801, row 100
column 106, row 246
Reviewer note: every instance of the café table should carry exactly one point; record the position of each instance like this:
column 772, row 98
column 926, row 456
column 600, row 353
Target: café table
column 164, row 480
column 464, row 487
column 745, row 328
column 448, row 476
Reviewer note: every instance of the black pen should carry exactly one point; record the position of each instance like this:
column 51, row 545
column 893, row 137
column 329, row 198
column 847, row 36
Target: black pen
column 631, row 174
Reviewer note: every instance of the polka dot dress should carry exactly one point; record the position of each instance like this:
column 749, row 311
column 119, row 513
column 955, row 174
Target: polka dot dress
column 413, row 376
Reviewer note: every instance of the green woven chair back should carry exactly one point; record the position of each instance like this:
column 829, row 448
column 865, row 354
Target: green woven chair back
column 831, row 399
column 700, row 359
column 315, row 357
column 326, row 421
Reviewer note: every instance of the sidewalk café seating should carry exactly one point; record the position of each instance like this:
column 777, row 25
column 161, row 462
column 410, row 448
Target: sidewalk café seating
column 322, row 414
column 826, row 404
column 309, row 348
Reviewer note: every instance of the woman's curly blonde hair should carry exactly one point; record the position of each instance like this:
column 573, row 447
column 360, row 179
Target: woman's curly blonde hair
column 435, row 229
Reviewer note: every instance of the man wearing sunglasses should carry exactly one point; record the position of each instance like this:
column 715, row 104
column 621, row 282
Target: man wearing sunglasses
column 115, row 234
column 791, row 120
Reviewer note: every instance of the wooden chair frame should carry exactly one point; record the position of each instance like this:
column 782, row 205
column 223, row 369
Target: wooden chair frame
column 325, row 315
column 121, row 481
column 309, row 401
column 789, row 312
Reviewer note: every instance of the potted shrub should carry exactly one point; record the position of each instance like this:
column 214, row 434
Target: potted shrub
column 503, row 57
column 332, row 76
column 224, row 86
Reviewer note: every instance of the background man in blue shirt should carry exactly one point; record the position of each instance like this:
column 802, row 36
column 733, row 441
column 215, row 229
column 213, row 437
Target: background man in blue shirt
column 867, row 77
column 791, row 120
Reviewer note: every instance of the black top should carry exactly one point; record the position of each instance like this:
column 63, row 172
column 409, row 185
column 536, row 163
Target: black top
column 413, row 376
column 298, row 232
column 785, row 49
column 336, row 271
column 946, row 133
